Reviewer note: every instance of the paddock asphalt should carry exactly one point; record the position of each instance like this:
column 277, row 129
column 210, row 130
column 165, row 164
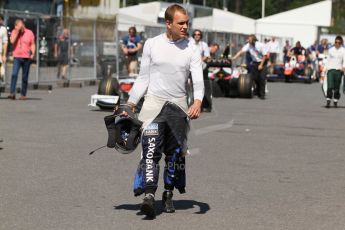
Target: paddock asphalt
column 254, row 164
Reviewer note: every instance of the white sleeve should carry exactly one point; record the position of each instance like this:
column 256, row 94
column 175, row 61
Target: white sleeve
column 245, row 48
column 343, row 58
column 263, row 48
column 197, row 75
column 206, row 49
column 142, row 82
column 4, row 33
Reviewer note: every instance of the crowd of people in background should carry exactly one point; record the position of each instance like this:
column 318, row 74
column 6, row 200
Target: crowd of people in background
column 23, row 45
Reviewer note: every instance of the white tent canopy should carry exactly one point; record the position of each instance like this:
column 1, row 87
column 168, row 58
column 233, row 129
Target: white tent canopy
column 301, row 24
column 141, row 15
column 317, row 14
column 226, row 22
column 125, row 21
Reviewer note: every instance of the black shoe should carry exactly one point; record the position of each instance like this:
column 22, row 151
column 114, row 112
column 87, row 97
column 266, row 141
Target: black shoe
column 11, row 96
column 148, row 206
column 335, row 103
column 168, row 205
column 328, row 103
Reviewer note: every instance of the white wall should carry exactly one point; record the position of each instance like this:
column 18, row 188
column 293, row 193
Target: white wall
column 226, row 22
column 203, row 23
column 147, row 11
column 232, row 22
column 306, row 34
column 106, row 8
column 315, row 14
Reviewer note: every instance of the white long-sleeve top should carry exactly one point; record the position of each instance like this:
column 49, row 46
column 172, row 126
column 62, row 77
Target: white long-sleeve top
column 3, row 37
column 165, row 67
column 336, row 58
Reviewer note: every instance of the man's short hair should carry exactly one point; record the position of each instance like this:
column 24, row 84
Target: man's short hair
column 215, row 44
column 340, row 38
column 253, row 36
column 1, row 17
column 170, row 12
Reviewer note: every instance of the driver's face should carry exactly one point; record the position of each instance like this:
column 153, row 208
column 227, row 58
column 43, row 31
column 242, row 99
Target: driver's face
column 179, row 26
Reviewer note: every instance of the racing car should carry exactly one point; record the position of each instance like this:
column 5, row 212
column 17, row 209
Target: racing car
column 228, row 81
column 297, row 69
column 112, row 91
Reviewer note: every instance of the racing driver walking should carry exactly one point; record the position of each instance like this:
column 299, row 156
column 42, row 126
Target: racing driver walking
column 165, row 66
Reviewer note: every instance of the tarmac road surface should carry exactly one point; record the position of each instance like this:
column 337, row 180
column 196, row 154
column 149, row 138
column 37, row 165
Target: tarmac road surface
column 254, row 164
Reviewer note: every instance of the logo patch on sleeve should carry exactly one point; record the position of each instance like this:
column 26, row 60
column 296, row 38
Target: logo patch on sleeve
column 151, row 130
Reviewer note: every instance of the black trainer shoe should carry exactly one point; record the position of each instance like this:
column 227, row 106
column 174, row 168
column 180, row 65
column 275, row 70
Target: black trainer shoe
column 335, row 103
column 148, row 206
column 167, row 201
column 328, row 103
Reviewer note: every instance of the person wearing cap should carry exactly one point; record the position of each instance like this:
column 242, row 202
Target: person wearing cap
column 259, row 56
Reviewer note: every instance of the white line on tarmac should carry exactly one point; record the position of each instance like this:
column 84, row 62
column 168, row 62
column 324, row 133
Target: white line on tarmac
column 213, row 128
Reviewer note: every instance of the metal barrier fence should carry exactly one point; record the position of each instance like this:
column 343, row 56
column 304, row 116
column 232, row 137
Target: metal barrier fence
column 92, row 46
column 236, row 41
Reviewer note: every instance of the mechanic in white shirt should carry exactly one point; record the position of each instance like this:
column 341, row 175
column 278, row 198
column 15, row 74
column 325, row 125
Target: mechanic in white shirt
column 259, row 56
column 205, row 56
column 335, row 69
column 274, row 50
column 3, row 47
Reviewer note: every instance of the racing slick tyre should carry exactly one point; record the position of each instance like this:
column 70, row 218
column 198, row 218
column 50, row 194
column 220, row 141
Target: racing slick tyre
column 288, row 78
column 245, row 86
column 216, row 88
column 308, row 72
column 109, row 86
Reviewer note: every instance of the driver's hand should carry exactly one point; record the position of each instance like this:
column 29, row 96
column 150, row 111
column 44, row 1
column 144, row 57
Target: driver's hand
column 124, row 112
column 194, row 110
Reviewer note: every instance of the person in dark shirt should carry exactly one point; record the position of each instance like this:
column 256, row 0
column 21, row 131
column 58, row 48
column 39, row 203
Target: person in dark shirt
column 131, row 44
column 298, row 49
column 63, row 52
column 323, row 47
column 286, row 50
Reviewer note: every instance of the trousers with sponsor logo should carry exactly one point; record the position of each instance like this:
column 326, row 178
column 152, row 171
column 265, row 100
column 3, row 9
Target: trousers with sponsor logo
column 166, row 134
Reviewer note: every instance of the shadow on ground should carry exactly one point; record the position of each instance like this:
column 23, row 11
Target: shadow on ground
column 179, row 205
